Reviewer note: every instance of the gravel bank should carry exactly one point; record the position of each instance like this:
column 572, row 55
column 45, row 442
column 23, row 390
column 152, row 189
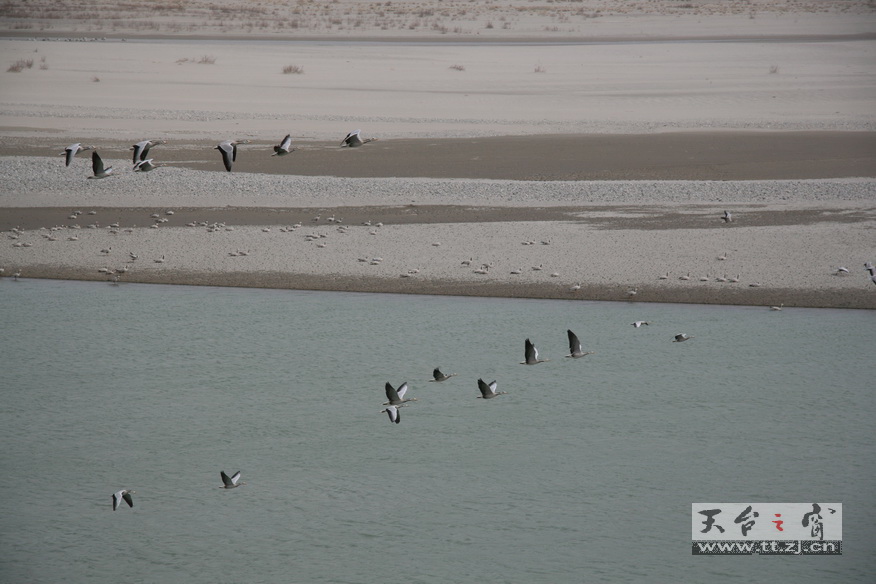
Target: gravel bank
column 587, row 240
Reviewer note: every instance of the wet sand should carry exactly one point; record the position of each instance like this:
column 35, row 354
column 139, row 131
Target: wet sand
column 728, row 155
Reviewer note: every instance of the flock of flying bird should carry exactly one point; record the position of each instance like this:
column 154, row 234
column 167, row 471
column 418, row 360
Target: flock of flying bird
column 396, row 396
column 124, row 495
column 227, row 148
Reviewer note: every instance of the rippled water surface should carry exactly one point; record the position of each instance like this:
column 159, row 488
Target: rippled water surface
column 584, row 472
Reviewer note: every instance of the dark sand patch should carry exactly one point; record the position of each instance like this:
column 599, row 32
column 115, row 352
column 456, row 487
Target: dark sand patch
column 725, row 155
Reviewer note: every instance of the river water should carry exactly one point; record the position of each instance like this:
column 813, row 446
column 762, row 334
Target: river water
column 584, row 471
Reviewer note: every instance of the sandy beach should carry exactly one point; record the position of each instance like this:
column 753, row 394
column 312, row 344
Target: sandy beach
column 594, row 161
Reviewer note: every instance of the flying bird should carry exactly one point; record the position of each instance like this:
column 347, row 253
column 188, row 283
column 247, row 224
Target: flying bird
column 145, row 165
column 123, row 495
column 354, row 139
column 438, row 376
column 284, row 147
column 397, row 396
column 640, row 323
column 680, row 338
column 141, row 149
column 393, row 413
column 575, row 346
column 71, row 151
column 232, row 481
column 727, row 217
column 98, row 168
column 488, row 390
column 531, row 354
column 228, row 149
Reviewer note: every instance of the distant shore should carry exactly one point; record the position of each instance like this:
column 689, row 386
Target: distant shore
column 582, row 152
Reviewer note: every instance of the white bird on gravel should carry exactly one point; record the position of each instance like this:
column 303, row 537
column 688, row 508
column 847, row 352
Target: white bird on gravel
column 141, row 149
column 284, row 147
column 71, row 151
column 354, row 139
column 228, row 149
column 98, row 168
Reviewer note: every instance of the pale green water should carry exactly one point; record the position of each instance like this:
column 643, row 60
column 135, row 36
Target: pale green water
column 584, row 472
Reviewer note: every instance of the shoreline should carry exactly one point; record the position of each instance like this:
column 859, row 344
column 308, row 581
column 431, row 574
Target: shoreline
column 781, row 253
column 741, row 296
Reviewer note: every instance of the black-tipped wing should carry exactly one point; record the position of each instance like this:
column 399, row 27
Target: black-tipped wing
column 574, row 343
column 352, row 139
column 488, row 390
column 391, row 393
column 402, row 390
column 123, row 495
column 530, row 353
column 96, row 164
column 393, row 413
column 285, row 145
column 141, row 149
column 229, row 481
column 229, row 154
